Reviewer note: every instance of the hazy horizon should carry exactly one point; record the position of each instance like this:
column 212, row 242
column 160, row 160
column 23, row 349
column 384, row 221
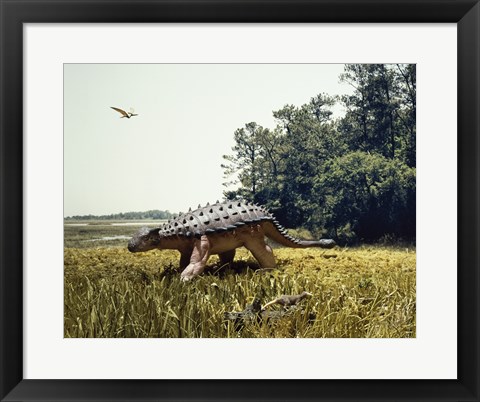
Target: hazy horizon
column 168, row 157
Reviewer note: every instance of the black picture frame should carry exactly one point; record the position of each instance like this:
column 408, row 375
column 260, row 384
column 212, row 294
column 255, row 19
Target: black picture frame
column 14, row 13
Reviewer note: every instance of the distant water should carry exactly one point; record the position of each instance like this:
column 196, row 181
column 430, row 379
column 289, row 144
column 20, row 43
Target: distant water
column 138, row 223
column 132, row 223
column 120, row 237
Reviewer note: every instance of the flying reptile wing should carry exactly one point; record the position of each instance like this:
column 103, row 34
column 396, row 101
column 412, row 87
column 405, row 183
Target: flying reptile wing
column 123, row 112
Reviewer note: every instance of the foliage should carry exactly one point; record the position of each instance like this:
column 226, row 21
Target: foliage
column 381, row 112
column 352, row 177
column 368, row 194
column 257, row 160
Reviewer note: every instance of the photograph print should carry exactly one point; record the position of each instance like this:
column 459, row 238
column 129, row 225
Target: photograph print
column 239, row 201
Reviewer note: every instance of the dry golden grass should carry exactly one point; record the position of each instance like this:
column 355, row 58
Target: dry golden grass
column 360, row 292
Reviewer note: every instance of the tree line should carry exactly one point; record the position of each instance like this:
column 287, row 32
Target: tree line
column 352, row 177
column 152, row 214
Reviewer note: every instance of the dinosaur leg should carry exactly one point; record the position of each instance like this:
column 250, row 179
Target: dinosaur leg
column 262, row 252
column 198, row 260
column 184, row 260
column 227, row 257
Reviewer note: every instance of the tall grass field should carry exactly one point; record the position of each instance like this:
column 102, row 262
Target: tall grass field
column 362, row 292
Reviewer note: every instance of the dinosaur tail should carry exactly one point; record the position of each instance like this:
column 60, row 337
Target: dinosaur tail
column 273, row 230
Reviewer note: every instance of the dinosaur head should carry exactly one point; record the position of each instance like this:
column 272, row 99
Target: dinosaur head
column 145, row 239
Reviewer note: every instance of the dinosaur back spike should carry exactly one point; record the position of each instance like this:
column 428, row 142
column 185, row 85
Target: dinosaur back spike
column 219, row 217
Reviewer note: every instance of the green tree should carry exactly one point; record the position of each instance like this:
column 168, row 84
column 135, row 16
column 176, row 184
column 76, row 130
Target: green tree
column 255, row 163
column 309, row 140
column 354, row 176
column 407, row 109
column 366, row 195
column 381, row 112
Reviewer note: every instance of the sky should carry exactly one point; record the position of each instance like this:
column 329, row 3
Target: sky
column 169, row 156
